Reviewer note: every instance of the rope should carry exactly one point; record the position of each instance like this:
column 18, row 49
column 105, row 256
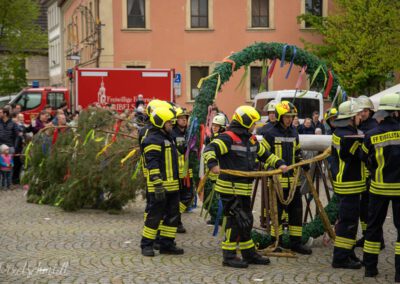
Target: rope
column 279, row 190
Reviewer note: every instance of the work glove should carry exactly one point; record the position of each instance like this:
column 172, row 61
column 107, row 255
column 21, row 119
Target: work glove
column 159, row 193
column 242, row 219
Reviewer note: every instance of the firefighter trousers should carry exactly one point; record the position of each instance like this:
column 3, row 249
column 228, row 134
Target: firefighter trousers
column 346, row 226
column 161, row 216
column 378, row 207
column 364, row 207
column 234, row 233
column 295, row 215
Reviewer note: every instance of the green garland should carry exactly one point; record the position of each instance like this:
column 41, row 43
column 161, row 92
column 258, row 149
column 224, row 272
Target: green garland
column 222, row 73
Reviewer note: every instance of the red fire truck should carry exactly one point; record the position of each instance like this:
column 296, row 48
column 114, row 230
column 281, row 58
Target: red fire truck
column 118, row 86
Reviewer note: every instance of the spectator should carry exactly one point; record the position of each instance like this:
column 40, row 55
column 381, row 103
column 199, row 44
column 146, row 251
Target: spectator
column 296, row 123
column 139, row 101
column 316, row 123
column 17, row 109
column 49, row 110
column 8, row 131
column 318, row 131
column 55, row 119
column 40, row 122
column 64, row 107
column 306, row 127
column 6, row 166
column 18, row 119
column 75, row 119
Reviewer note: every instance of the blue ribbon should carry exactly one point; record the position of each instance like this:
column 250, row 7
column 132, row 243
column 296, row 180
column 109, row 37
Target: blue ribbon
column 291, row 62
column 219, row 215
column 283, row 55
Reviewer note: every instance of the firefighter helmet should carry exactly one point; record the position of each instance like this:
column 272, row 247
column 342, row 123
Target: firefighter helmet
column 155, row 104
column 270, row 107
column 160, row 115
column 349, row 109
column 246, row 116
column 365, row 102
column 181, row 112
column 284, row 108
column 219, row 119
column 390, row 102
column 331, row 112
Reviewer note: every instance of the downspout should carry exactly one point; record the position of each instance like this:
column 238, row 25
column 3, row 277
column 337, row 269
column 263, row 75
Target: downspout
column 98, row 27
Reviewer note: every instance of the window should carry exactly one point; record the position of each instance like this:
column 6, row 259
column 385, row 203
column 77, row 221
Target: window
column 256, row 80
column 305, row 106
column 260, row 13
column 55, row 99
column 136, row 14
column 196, row 73
column 199, row 14
column 313, row 7
column 29, row 101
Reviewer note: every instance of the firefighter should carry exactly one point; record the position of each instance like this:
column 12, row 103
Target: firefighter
column 218, row 126
column 329, row 117
column 270, row 109
column 348, row 183
column 381, row 152
column 161, row 160
column 367, row 123
column 238, row 149
column 186, row 189
column 283, row 140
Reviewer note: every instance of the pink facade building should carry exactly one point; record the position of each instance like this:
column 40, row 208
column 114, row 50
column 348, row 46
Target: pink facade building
column 191, row 36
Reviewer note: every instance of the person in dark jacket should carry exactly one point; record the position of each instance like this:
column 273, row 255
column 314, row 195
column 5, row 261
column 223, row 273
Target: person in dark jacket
column 316, row 123
column 270, row 109
column 348, row 176
column 381, row 153
column 329, row 117
column 307, row 127
column 8, row 131
column 238, row 149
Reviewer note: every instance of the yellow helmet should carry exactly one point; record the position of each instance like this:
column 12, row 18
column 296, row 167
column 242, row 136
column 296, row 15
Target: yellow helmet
column 331, row 112
column 160, row 115
column 181, row 112
column 285, row 108
column 155, row 104
column 246, row 116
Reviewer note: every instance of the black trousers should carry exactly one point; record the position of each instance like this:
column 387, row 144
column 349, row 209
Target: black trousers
column 364, row 207
column 378, row 206
column 347, row 225
column 234, row 234
column 162, row 216
column 16, row 170
column 295, row 214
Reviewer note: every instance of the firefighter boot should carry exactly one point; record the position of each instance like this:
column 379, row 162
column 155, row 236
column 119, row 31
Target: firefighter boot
column 252, row 257
column 348, row 263
column 397, row 278
column 171, row 250
column 301, row 249
column 360, row 243
column 147, row 251
column 231, row 260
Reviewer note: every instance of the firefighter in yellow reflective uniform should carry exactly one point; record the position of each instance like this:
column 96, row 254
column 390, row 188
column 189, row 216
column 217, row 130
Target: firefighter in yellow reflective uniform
column 348, row 183
column 161, row 160
column 237, row 149
column 381, row 152
column 186, row 183
column 283, row 140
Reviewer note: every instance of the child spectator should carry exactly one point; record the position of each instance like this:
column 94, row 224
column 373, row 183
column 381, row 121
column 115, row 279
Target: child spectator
column 6, row 166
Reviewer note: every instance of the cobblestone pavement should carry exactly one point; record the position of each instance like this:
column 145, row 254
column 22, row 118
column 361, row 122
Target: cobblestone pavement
column 43, row 244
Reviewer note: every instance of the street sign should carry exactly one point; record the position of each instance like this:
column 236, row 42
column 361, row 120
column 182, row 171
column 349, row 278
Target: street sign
column 178, row 78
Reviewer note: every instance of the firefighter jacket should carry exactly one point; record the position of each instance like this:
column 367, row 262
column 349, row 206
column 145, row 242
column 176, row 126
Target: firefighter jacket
column 181, row 146
column 264, row 129
column 381, row 152
column 142, row 135
column 211, row 176
column 347, row 169
column 161, row 160
column 284, row 143
column 366, row 126
column 236, row 149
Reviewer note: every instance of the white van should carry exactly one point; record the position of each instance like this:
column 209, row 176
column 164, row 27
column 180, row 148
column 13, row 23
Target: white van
column 306, row 105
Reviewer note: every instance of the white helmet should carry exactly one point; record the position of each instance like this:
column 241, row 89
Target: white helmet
column 365, row 103
column 270, row 107
column 349, row 109
column 219, row 119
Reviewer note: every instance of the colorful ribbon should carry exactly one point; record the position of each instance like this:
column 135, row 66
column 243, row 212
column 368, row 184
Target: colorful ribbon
column 271, row 68
column 130, row 154
column 283, row 55
column 208, row 77
column 291, row 62
column 330, row 84
column 301, row 75
column 228, row 60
